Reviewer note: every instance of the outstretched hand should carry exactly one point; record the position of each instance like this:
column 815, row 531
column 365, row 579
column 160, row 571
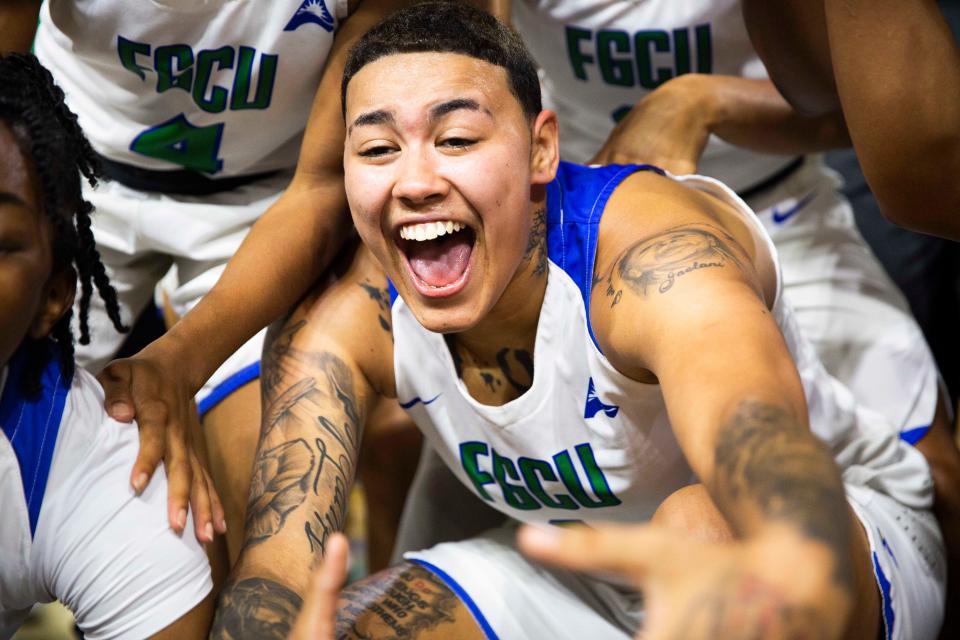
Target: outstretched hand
column 697, row 590
column 318, row 617
column 148, row 388
column 669, row 129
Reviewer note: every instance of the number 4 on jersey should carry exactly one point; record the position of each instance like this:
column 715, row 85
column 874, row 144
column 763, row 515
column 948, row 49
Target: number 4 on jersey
column 180, row 142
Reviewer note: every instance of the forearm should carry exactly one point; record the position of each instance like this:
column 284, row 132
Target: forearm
column 752, row 114
column 18, row 25
column 284, row 253
column 314, row 407
column 769, row 471
column 791, row 38
column 897, row 71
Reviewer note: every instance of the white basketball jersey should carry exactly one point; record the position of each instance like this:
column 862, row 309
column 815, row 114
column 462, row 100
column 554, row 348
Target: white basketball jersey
column 584, row 442
column 601, row 57
column 72, row 529
column 222, row 87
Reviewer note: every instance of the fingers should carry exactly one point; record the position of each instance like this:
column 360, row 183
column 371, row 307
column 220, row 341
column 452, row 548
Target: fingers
column 627, row 550
column 216, row 506
column 118, row 401
column 179, row 479
column 153, row 446
column 318, row 618
column 200, row 503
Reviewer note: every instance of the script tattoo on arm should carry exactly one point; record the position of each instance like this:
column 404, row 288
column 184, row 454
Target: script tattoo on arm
column 768, row 459
column 657, row 263
column 395, row 604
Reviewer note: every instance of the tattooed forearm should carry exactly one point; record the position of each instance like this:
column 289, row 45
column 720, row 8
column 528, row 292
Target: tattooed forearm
column 657, row 263
column 394, row 604
column 277, row 348
column 309, row 445
column 255, row 608
column 767, row 459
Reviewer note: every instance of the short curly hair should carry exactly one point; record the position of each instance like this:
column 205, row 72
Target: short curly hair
column 32, row 105
column 450, row 27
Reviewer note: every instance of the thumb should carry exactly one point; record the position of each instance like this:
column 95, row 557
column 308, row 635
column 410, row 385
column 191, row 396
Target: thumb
column 118, row 401
column 632, row 551
column 318, row 617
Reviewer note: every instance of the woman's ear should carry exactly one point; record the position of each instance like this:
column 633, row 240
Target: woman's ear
column 60, row 290
column 545, row 147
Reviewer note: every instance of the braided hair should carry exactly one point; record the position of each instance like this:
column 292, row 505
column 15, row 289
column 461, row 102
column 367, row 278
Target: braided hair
column 34, row 109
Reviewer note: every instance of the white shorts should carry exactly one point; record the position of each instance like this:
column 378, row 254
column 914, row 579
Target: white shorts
column 141, row 235
column 847, row 306
column 511, row 597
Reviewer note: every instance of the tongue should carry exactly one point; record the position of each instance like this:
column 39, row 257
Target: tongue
column 442, row 261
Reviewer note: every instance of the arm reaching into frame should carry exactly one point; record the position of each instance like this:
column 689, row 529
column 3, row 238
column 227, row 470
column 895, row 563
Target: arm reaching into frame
column 322, row 372
column 681, row 301
column 903, row 115
column 670, row 127
column 18, row 25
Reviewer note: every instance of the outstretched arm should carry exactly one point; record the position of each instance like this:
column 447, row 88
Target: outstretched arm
column 686, row 304
column 317, row 391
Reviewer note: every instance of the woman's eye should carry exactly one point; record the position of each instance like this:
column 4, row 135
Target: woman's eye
column 458, row 143
column 377, row 151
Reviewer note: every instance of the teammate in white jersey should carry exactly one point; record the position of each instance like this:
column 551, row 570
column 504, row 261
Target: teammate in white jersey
column 570, row 360
column 72, row 529
column 197, row 110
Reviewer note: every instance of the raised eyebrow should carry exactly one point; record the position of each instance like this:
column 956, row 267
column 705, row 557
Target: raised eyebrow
column 371, row 118
column 449, row 106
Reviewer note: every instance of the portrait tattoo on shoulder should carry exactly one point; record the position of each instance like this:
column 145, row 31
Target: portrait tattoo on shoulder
column 657, row 263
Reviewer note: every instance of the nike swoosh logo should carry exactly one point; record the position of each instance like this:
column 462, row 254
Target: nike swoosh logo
column 407, row 405
column 779, row 217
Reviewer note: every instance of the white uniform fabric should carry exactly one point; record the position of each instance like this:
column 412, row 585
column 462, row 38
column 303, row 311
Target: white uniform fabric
column 600, row 57
column 219, row 87
column 107, row 554
column 587, row 443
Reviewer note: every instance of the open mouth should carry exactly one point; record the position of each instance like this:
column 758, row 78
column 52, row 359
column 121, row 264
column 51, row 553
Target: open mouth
column 438, row 255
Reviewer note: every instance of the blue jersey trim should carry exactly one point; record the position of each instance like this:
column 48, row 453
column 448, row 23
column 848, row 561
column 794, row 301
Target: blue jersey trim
column 575, row 203
column 393, row 292
column 31, row 425
column 888, row 615
column 463, row 595
column 915, row 435
column 233, row 382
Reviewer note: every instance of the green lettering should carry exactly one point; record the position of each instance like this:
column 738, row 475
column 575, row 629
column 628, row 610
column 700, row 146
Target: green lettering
column 660, row 42
column 217, row 101
column 575, row 35
column 242, row 80
column 681, row 51
column 128, row 51
column 572, row 481
column 166, row 77
column 615, row 70
column 515, row 495
column 180, row 142
column 704, row 49
column 530, row 469
column 469, row 452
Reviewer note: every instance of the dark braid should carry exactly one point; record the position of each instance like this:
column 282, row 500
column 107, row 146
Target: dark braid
column 48, row 132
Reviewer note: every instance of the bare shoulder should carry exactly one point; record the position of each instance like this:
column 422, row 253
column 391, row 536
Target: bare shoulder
column 347, row 313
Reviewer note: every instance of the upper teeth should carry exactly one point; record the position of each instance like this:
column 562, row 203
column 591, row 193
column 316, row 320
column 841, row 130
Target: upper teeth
column 428, row 230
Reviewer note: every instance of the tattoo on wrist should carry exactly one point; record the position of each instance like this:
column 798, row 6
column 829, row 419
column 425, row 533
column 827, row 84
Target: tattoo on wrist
column 255, row 608
column 767, row 458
